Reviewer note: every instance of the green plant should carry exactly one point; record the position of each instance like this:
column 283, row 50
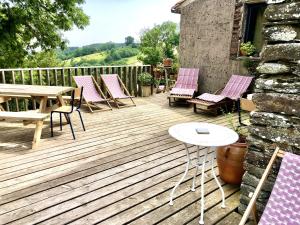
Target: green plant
column 251, row 65
column 156, row 82
column 233, row 124
column 158, row 43
column 145, row 79
column 247, row 48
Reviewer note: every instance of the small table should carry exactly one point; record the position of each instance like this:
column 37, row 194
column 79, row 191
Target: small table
column 218, row 136
column 36, row 91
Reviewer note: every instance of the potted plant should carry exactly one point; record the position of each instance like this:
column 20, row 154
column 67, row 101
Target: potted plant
column 145, row 80
column 247, row 49
column 230, row 159
column 167, row 62
column 156, row 86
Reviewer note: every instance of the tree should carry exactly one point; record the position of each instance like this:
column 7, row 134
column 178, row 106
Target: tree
column 129, row 40
column 158, row 43
column 28, row 25
column 42, row 59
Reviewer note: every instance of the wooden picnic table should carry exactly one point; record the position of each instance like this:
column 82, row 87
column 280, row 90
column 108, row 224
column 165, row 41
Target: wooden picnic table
column 41, row 94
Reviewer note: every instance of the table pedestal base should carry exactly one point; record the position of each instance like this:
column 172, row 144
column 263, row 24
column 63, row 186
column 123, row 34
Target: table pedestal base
column 198, row 166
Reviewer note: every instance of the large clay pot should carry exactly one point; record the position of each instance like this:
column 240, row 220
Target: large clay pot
column 230, row 161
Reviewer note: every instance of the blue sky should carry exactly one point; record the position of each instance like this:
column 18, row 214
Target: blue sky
column 113, row 20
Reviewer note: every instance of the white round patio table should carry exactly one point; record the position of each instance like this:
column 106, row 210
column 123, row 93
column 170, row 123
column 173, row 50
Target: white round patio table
column 218, row 136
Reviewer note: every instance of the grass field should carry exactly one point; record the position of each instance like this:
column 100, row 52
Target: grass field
column 99, row 57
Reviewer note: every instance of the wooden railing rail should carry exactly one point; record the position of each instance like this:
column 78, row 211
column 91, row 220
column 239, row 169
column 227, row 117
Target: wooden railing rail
column 62, row 76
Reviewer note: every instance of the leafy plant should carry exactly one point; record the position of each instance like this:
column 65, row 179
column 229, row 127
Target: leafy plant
column 251, row 66
column 145, row 79
column 233, row 124
column 247, row 48
column 156, row 82
column 158, row 43
column 30, row 25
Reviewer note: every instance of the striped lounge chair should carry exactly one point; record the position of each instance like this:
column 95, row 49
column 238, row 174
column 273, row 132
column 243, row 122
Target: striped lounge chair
column 283, row 206
column 185, row 86
column 92, row 93
column 234, row 89
column 117, row 90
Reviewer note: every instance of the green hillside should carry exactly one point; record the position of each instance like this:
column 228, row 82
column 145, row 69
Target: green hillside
column 100, row 54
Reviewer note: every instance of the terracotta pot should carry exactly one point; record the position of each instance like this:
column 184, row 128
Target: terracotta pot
column 230, row 161
column 167, row 62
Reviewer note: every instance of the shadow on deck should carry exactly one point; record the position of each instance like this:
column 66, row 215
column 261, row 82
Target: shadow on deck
column 120, row 171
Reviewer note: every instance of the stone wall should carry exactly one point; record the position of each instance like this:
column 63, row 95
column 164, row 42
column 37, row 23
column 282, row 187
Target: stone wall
column 277, row 96
column 205, row 41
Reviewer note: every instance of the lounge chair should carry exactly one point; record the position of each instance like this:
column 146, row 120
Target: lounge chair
column 185, row 86
column 117, row 89
column 283, row 206
column 92, row 93
column 234, row 89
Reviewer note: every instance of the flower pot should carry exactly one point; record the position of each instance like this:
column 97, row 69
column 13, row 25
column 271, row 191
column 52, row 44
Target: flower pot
column 230, row 161
column 146, row 91
column 167, row 62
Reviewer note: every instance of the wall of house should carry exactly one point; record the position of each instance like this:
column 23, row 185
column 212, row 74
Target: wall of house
column 277, row 96
column 205, row 41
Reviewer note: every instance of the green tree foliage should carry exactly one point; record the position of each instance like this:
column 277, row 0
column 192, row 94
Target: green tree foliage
column 28, row 25
column 158, row 43
column 42, row 59
column 120, row 53
column 129, row 40
column 73, row 52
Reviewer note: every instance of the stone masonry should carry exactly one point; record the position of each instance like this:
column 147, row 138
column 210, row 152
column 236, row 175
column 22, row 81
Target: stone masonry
column 277, row 96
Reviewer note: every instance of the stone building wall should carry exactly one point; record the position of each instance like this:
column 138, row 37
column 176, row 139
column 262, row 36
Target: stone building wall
column 205, row 41
column 277, row 96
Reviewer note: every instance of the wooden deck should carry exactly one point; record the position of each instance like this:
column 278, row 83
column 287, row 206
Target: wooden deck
column 120, row 171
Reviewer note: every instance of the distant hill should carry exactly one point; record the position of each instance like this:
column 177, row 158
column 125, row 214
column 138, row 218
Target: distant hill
column 99, row 54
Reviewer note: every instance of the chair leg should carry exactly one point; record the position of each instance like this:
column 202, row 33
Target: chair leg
column 81, row 119
column 51, row 124
column 195, row 108
column 109, row 105
column 71, row 126
column 60, row 121
column 133, row 102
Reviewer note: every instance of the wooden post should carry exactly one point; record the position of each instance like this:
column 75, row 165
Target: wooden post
column 55, row 77
column 37, row 134
column 135, row 81
column 62, row 73
column 40, row 77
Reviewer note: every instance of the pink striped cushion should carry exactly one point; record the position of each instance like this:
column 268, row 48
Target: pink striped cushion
column 236, row 86
column 180, row 91
column 211, row 97
column 90, row 92
column 283, row 206
column 187, row 78
column 234, row 89
column 112, row 83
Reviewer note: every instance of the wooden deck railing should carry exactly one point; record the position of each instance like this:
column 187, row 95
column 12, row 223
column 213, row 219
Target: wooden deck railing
column 62, row 76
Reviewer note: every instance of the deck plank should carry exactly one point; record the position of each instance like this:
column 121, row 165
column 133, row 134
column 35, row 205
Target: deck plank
column 121, row 170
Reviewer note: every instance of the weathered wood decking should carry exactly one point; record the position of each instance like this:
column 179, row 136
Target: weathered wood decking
column 120, row 171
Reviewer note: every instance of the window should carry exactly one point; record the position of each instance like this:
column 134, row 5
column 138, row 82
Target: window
column 247, row 26
column 254, row 21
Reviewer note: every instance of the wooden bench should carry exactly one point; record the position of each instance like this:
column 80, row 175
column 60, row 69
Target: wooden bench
column 28, row 116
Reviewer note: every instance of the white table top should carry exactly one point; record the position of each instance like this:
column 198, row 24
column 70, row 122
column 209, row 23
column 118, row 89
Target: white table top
column 218, row 135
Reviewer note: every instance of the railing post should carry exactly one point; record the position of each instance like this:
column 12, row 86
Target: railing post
column 135, row 81
column 62, row 73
